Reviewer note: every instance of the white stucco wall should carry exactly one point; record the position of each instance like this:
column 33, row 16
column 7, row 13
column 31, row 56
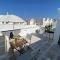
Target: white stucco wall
column 17, row 29
column 0, row 22
column 47, row 21
column 32, row 21
column 57, row 31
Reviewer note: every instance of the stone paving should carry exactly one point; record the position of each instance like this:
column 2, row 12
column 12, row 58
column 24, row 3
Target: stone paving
column 44, row 49
column 52, row 54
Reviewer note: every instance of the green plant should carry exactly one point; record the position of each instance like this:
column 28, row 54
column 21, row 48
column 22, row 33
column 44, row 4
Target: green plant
column 48, row 27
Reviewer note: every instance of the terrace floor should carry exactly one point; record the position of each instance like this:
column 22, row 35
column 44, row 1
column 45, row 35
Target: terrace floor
column 43, row 49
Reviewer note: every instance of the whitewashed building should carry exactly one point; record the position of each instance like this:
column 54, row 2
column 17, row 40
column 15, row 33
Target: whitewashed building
column 48, row 21
column 12, row 23
column 11, row 19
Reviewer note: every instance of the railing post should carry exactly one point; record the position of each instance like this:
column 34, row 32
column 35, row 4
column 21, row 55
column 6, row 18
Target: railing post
column 7, row 45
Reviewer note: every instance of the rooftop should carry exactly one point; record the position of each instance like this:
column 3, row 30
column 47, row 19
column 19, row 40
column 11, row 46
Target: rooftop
column 10, row 18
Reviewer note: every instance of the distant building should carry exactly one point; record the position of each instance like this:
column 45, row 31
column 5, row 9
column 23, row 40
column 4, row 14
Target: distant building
column 39, row 22
column 32, row 21
column 48, row 21
column 36, row 21
column 11, row 19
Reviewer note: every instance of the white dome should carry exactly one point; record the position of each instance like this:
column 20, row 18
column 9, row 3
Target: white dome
column 10, row 18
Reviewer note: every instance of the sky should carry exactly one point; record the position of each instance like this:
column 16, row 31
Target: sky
column 30, row 8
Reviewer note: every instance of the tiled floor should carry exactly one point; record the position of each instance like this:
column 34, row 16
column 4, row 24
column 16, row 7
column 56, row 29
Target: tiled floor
column 44, row 49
